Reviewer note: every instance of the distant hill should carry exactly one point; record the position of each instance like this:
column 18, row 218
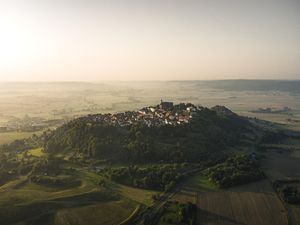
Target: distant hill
column 253, row 85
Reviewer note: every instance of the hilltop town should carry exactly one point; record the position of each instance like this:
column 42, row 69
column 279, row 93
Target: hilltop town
column 161, row 114
column 165, row 113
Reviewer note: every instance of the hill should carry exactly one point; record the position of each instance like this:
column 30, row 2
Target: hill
column 180, row 133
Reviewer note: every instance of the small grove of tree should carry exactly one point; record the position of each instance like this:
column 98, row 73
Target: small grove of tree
column 48, row 166
column 288, row 190
column 236, row 170
column 172, row 212
column 161, row 178
column 8, row 167
column 187, row 213
column 21, row 145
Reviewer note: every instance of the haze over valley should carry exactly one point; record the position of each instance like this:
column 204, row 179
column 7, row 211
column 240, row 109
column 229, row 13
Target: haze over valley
column 51, row 104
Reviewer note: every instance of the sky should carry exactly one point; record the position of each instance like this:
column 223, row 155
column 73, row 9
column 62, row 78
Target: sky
column 90, row 40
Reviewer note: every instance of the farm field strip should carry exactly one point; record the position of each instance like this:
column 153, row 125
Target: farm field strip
column 110, row 213
column 245, row 208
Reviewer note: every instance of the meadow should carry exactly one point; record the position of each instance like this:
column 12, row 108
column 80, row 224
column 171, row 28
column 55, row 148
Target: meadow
column 194, row 185
column 29, row 203
column 110, row 213
column 8, row 137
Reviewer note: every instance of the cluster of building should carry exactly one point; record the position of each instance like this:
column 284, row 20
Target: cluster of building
column 162, row 114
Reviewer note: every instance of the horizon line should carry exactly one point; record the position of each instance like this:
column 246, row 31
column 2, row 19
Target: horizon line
column 100, row 81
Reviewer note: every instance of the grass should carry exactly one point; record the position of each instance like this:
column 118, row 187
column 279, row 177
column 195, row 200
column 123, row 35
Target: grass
column 108, row 213
column 86, row 204
column 99, row 206
column 138, row 195
column 37, row 152
column 197, row 183
column 8, row 137
column 29, row 192
column 200, row 183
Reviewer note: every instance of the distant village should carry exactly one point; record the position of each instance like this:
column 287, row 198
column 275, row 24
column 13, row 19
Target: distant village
column 162, row 114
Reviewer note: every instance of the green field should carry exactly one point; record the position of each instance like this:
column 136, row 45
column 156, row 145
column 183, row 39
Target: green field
column 138, row 195
column 108, row 213
column 194, row 185
column 7, row 137
column 21, row 199
column 37, row 152
column 200, row 183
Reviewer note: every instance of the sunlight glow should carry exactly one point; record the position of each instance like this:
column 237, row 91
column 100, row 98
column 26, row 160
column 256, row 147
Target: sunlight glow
column 63, row 41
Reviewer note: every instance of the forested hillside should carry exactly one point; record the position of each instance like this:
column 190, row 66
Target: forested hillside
column 209, row 132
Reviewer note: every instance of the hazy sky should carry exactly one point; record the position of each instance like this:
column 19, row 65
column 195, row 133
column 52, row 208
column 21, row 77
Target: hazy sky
column 51, row 40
